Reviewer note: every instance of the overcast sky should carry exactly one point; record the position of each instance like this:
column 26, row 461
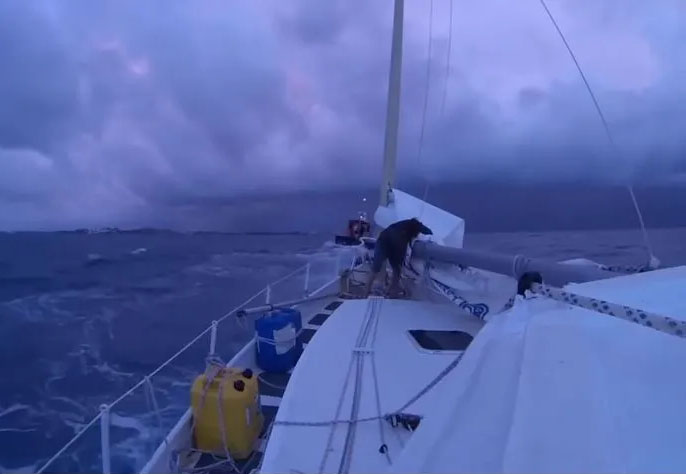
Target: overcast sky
column 119, row 111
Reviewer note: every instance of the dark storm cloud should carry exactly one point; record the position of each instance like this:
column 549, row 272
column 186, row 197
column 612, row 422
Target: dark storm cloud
column 121, row 111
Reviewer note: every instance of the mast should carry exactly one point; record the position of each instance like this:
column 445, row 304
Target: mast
column 393, row 105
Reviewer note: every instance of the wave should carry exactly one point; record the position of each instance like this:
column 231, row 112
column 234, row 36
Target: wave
column 15, row 288
column 162, row 231
column 19, row 470
column 12, row 288
column 30, row 281
column 13, row 408
column 144, row 290
column 96, row 259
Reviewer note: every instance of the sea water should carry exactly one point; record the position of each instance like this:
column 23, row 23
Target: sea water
column 84, row 316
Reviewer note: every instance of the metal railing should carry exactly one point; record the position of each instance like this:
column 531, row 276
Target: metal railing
column 104, row 415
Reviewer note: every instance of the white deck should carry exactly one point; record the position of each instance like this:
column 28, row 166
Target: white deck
column 547, row 387
column 317, row 382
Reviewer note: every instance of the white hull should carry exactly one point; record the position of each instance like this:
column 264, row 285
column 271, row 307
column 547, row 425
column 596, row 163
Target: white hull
column 179, row 439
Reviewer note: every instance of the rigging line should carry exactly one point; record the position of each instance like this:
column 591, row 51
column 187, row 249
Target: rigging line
column 444, row 96
column 603, row 120
column 427, row 88
column 353, row 359
column 447, row 64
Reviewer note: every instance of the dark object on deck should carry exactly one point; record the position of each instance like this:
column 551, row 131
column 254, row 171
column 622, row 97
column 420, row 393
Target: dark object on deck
column 318, row 319
column 306, row 335
column 526, row 280
column 406, row 420
column 441, row 340
column 273, row 384
column 393, row 242
column 333, row 305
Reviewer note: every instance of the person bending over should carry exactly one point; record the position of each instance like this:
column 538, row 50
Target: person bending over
column 392, row 246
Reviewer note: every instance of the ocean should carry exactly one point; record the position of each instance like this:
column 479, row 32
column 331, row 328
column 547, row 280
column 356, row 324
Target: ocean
column 84, row 316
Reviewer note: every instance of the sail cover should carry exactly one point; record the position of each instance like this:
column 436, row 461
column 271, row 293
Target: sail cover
column 547, row 387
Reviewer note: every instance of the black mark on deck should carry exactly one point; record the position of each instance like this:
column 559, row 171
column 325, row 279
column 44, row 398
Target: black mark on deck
column 333, row 305
column 306, row 335
column 273, row 380
column 318, row 319
column 269, row 415
column 441, row 340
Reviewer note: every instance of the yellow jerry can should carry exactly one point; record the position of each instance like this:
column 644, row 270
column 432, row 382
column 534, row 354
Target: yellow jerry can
column 231, row 399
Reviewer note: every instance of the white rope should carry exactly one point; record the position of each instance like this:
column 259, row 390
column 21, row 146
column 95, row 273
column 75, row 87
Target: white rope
column 270, row 384
column 348, row 446
column 610, row 138
column 206, row 468
column 184, row 349
column 252, row 456
column 215, row 366
column 666, row 324
column 353, row 421
column 630, row 268
column 329, row 442
column 150, row 393
column 384, row 446
column 266, row 437
column 222, row 425
column 646, row 241
column 274, row 342
column 286, row 277
column 346, row 457
column 423, row 391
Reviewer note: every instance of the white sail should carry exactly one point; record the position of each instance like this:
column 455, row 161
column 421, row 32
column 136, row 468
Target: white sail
column 551, row 388
column 447, row 228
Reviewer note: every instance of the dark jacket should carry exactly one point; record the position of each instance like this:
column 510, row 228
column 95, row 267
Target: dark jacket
column 396, row 237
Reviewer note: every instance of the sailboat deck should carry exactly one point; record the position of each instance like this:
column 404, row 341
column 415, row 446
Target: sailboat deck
column 550, row 387
column 321, row 381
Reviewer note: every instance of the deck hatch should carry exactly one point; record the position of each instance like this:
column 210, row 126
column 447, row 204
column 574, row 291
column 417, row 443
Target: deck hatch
column 433, row 340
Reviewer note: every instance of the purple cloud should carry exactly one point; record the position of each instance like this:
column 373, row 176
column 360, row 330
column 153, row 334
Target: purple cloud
column 118, row 111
